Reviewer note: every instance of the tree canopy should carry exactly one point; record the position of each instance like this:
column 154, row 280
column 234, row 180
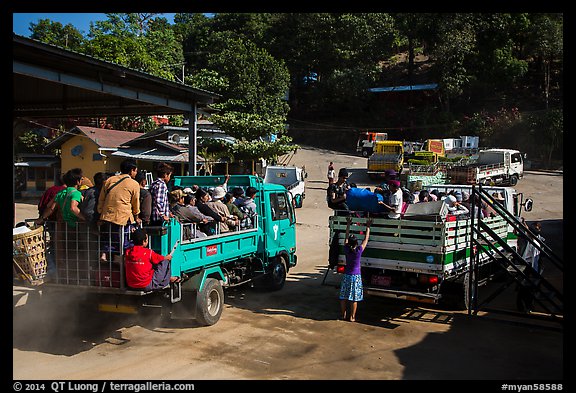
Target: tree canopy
column 273, row 67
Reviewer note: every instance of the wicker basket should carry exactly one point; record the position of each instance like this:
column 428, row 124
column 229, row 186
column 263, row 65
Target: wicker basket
column 29, row 254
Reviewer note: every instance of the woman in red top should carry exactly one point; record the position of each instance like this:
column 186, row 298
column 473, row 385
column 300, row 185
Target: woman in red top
column 146, row 269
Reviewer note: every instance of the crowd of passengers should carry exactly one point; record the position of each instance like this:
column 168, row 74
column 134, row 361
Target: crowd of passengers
column 125, row 200
column 395, row 198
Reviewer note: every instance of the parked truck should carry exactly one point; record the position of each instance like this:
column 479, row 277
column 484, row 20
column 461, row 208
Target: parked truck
column 367, row 141
column 261, row 251
column 493, row 166
column 387, row 155
column 293, row 178
column 422, row 257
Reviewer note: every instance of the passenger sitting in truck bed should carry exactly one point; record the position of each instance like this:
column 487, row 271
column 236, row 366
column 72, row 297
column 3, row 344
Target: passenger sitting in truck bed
column 146, row 269
column 200, row 219
column 230, row 222
column 202, row 197
column 247, row 205
column 234, row 210
column 424, row 196
column 455, row 208
column 184, row 214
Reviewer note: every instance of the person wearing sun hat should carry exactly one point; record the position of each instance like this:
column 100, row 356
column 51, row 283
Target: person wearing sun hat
column 231, row 221
column 455, row 208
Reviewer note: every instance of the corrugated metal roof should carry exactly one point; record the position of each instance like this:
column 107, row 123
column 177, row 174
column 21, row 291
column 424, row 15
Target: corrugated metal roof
column 36, row 164
column 154, row 154
column 103, row 137
column 430, row 86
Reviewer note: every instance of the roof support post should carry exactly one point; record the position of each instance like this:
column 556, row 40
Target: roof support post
column 192, row 147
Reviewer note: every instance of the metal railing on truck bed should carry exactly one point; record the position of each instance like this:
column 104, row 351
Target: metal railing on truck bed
column 77, row 250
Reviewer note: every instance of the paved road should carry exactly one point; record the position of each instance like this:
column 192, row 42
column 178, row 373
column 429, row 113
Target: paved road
column 293, row 333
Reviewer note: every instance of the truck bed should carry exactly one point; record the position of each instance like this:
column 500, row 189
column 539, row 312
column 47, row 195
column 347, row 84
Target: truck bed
column 77, row 252
column 424, row 246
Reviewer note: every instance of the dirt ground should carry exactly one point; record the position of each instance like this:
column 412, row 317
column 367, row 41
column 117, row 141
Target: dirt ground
column 294, row 334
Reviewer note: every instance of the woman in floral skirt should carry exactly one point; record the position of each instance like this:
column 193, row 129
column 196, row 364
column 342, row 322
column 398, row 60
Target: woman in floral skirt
column 351, row 290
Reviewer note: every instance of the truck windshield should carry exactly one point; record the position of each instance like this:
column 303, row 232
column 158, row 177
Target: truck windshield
column 283, row 177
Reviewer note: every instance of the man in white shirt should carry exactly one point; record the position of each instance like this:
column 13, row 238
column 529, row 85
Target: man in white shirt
column 396, row 200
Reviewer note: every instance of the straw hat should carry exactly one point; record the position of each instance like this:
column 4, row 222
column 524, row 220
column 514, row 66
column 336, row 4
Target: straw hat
column 218, row 193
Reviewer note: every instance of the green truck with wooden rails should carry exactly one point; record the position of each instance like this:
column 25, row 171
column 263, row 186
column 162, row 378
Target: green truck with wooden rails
column 425, row 255
column 261, row 252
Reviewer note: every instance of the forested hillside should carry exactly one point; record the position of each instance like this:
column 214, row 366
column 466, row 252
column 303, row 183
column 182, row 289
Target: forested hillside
column 310, row 75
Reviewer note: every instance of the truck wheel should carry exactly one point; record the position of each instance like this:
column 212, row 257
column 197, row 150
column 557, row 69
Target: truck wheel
column 277, row 275
column 513, row 180
column 210, row 302
column 365, row 153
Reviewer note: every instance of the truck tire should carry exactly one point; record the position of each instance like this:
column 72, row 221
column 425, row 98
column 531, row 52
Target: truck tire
column 513, row 180
column 210, row 302
column 366, row 153
column 276, row 278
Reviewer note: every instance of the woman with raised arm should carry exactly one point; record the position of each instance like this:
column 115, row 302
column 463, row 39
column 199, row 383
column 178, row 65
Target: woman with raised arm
column 351, row 290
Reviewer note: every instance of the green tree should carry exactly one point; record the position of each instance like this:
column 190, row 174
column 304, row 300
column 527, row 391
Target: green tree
column 56, row 34
column 545, row 42
column 137, row 41
column 253, row 85
column 547, row 129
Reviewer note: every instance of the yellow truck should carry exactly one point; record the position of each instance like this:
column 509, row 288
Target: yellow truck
column 387, row 155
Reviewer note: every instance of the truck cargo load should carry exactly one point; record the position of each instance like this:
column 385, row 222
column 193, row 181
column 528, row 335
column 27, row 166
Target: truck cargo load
column 493, row 166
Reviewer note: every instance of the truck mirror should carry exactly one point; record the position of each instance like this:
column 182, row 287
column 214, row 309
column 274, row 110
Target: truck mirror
column 528, row 204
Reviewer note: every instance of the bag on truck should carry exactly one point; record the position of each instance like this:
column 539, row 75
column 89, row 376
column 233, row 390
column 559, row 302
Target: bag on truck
column 362, row 199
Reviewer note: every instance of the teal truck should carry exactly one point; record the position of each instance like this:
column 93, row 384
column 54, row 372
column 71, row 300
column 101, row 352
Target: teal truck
column 260, row 253
column 422, row 257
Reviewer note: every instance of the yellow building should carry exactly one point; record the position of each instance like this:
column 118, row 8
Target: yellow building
column 91, row 149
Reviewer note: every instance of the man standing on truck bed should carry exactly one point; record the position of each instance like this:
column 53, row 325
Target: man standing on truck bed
column 336, row 192
column 159, row 192
column 118, row 205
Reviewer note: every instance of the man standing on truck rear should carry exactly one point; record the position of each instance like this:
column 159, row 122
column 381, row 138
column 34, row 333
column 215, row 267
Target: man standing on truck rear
column 159, row 192
column 336, row 192
column 119, row 206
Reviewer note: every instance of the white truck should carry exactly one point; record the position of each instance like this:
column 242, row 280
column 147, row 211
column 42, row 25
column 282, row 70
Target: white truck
column 425, row 255
column 292, row 178
column 367, row 142
column 492, row 167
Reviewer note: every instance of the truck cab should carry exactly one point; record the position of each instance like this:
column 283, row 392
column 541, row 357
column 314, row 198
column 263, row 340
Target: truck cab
column 513, row 160
column 290, row 177
column 367, row 141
